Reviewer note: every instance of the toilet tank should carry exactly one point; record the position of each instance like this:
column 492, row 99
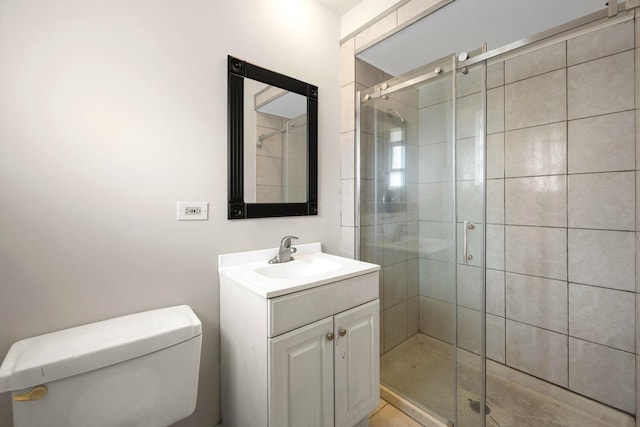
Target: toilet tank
column 139, row 370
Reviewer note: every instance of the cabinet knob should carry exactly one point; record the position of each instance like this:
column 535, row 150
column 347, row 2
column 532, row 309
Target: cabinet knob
column 330, row 336
column 343, row 332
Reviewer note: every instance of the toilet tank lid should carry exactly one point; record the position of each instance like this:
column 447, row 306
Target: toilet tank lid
column 73, row 351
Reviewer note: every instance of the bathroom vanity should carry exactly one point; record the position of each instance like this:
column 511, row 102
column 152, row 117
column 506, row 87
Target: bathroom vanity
column 299, row 340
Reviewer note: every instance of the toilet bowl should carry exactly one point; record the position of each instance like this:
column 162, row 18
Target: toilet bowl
column 139, row 370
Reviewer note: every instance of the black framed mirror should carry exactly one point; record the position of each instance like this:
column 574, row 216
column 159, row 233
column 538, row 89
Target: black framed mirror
column 272, row 143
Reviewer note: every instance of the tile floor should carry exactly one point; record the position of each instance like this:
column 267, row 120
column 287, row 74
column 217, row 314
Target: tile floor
column 420, row 370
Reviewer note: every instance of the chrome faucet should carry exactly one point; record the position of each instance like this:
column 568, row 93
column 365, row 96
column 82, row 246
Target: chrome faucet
column 284, row 254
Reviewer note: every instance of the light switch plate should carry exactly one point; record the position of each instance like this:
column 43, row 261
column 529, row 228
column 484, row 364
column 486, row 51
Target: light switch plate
column 193, row 211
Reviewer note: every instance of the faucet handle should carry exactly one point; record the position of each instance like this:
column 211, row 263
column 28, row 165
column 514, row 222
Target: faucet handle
column 286, row 241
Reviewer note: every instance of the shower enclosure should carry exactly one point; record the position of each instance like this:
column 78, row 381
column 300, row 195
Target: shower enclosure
column 497, row 191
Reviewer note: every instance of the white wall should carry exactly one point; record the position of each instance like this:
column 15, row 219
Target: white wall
column 111, row 112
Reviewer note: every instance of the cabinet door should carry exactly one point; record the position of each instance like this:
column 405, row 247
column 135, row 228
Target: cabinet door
column 301, row 377
column 357, row 363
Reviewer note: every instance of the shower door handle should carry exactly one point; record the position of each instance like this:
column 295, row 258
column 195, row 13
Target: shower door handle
column 465, row 242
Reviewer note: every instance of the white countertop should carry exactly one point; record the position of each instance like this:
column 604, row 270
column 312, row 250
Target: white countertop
column 310, row 268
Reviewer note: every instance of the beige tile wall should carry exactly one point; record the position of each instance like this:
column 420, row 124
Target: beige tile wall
column 570, row 213
column 347, row 146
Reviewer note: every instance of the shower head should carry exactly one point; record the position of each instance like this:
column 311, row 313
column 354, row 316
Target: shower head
column 392, row 113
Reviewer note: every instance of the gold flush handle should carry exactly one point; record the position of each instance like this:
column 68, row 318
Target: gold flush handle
column 35, row 393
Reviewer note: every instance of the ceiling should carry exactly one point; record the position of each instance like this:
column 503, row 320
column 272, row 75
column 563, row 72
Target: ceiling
column 463, row 25
column 339, row 6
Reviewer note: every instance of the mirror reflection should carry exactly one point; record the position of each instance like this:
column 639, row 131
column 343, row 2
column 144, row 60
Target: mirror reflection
column 275, row 144
column 272, row 143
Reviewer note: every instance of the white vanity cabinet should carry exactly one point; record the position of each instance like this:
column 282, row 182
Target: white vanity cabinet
column 326, row 373
column 302, row 355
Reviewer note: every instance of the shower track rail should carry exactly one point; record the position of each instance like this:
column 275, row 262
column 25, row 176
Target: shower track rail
column 427, row 72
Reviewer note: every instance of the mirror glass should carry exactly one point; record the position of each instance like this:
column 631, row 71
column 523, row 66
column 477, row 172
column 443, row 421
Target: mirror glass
column 275, row 144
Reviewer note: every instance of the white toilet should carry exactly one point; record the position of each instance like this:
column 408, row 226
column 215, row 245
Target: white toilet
column 139, row 370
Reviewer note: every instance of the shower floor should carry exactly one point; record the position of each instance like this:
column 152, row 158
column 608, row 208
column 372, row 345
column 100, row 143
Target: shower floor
column 420, row 371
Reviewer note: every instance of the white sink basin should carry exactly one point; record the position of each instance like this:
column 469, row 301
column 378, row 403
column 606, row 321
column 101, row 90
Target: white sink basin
column 303, row 266
column 310, row 267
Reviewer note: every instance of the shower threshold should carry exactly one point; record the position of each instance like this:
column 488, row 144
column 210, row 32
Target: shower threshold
column 417, row 378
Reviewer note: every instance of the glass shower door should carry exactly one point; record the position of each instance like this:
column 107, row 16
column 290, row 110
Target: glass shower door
column 470, row 216
column 421, row 174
